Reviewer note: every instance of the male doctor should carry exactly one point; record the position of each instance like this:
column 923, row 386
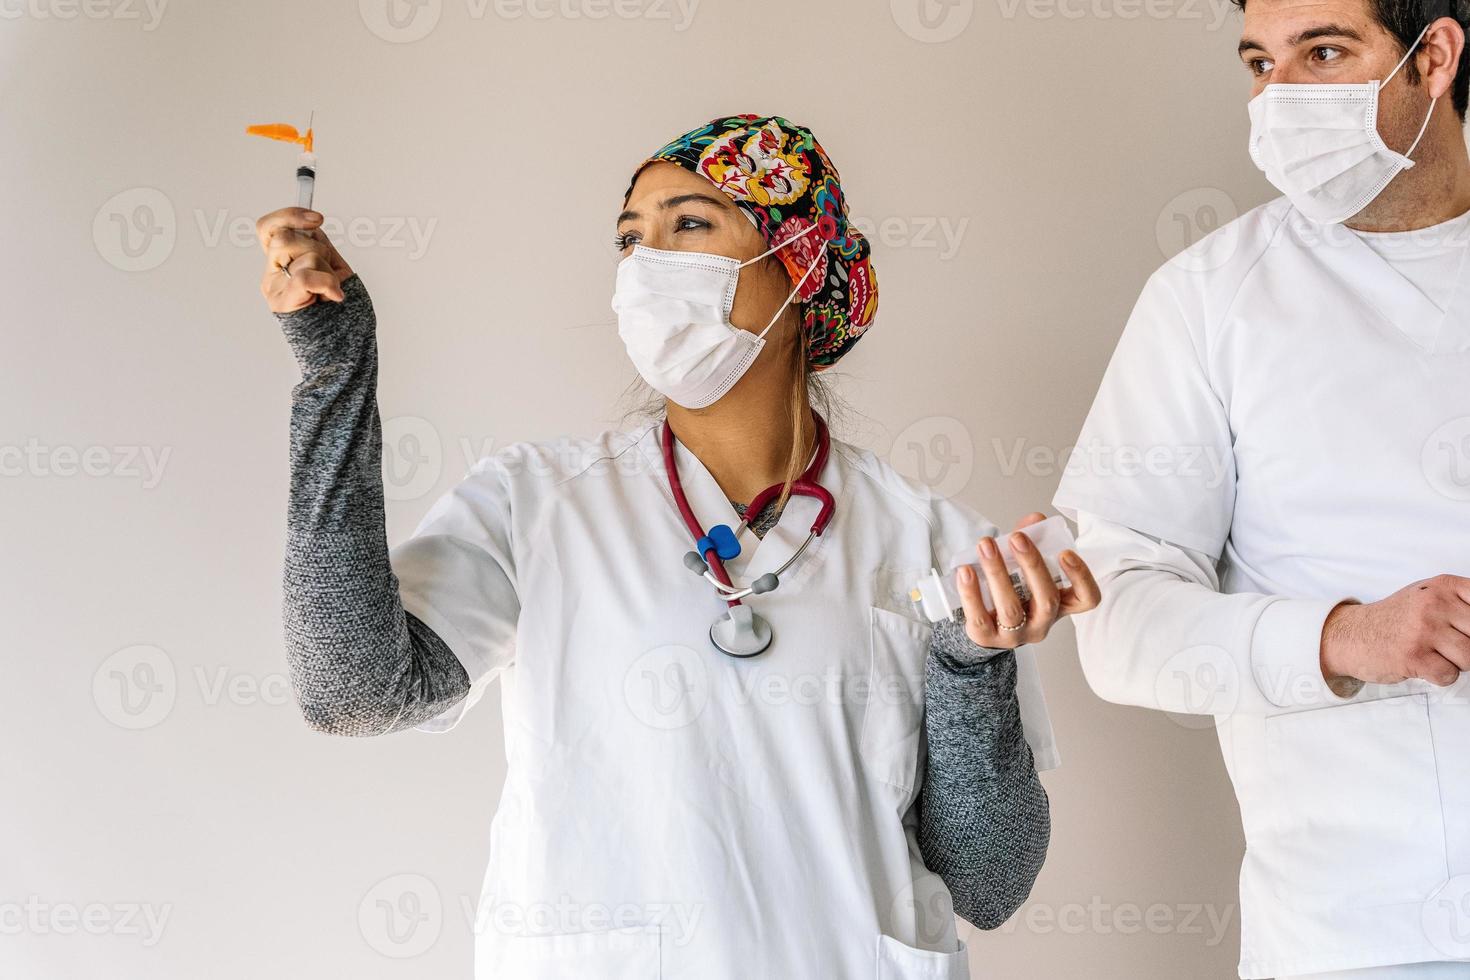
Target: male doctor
column 1274, row 487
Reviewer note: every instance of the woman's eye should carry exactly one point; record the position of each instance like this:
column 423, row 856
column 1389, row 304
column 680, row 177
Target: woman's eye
column 624, row 241
column 689, row 223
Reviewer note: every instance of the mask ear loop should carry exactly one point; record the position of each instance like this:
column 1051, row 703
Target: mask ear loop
column 1432, row 102
column 1407, row 55
column 777, row 247
column 802, row 282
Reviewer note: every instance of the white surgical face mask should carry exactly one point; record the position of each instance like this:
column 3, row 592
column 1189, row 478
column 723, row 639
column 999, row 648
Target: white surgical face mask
column 674, row 317
column 1319, row 144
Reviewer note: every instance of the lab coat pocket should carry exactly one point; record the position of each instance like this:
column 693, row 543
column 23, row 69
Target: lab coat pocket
column 612, row 954
column 899, row 961
column 1357, row 803
column 893, row 714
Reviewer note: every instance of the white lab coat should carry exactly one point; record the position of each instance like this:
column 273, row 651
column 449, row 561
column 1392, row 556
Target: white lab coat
column 1293, row 408
column 669, row 811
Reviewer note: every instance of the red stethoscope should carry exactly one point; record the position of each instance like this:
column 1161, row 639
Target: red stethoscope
column 740, row 632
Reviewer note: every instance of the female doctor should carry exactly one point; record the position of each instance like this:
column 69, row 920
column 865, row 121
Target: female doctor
column 713, row 677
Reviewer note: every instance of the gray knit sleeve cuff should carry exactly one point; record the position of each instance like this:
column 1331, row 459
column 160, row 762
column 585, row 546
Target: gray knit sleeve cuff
column 956, row 652
column 320, row 334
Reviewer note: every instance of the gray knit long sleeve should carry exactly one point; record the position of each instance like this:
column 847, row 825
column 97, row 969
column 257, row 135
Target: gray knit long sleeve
column 361, row 665
column 984, row 818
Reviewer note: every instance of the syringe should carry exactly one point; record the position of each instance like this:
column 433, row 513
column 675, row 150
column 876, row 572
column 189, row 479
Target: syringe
column 305, row 163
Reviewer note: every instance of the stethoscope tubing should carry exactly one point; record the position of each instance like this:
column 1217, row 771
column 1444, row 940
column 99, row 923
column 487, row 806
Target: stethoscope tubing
column 806, row 485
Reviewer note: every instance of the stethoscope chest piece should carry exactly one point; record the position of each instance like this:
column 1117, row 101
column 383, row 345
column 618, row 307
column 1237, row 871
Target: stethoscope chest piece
column 741, row 632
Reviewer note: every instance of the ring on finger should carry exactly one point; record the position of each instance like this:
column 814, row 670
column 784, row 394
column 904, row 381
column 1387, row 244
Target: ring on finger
column 1012, row 629
column 286, row 268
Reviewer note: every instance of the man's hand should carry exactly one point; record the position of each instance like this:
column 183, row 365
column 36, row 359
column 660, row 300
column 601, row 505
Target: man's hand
column 1422, row 631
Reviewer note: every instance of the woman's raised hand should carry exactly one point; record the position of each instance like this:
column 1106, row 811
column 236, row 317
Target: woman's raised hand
column 1034, row 616
column 301, row 263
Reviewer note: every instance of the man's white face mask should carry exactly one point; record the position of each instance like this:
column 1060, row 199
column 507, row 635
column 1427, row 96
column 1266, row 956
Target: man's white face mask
column 674, row 317
column 1319, row 144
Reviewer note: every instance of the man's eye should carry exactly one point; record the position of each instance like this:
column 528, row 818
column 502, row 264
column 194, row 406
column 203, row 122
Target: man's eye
column 1259, row 66
column 1327, row 54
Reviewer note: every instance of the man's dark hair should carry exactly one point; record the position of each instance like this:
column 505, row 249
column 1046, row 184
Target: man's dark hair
column 1405, row 19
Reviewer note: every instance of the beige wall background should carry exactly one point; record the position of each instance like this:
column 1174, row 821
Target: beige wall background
column 1022, row 166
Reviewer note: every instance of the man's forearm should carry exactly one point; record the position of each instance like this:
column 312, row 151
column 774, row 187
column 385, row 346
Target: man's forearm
column 1165, row 637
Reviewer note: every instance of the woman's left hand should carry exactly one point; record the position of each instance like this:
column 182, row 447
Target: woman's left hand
column 1035, row 618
